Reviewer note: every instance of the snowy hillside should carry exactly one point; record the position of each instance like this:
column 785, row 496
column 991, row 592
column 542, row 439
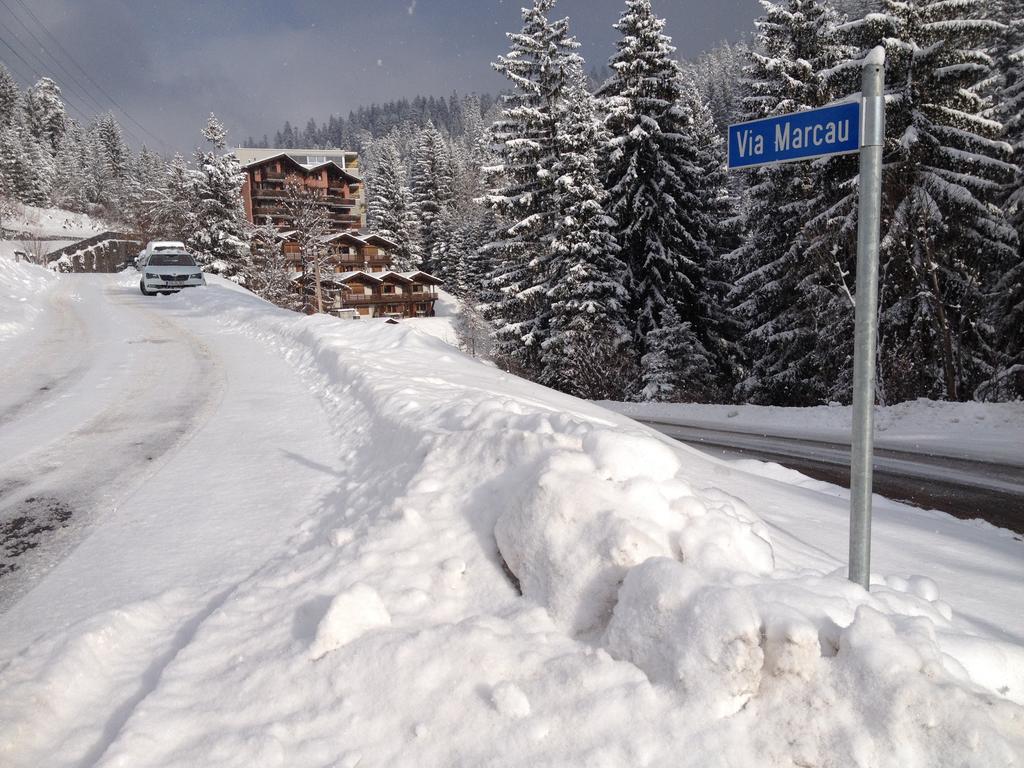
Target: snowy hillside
column 52, row 223
column 675, row 610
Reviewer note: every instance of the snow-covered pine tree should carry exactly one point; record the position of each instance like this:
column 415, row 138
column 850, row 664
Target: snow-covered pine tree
column 943, row 237
column 655, row 187
column 1008, row 304
column 587, row 352
column 171, row 196
column 71, row 185
column 675, row 364
column 217, row 236
column 778, row 289
column 138, row 211
column 47, row 118
column 523, row 190
column 719, row 76
column 388, row 208
column 10, row 97
column 432, row 190
column 268, row 274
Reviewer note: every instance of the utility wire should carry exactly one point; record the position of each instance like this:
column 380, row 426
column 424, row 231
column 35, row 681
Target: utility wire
column 85, row 93
column 84, row 72
column 67, row 94
column 35, row 71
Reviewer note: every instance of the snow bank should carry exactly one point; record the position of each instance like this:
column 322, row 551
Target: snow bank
column 983, row 431
column 51, row 223
column 657, row 626
column 23, row 289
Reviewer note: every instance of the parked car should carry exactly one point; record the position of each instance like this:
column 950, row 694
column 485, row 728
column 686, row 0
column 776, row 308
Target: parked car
column 155, row 246
column 168, row 271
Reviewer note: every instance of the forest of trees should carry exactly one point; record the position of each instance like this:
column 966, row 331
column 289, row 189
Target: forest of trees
column 599, row 233
column 375, row 121
column 49, row 159
column 588, row 223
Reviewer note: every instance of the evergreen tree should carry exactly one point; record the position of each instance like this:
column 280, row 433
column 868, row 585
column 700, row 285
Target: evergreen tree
column 675, row 365
column 388, row 207
column 268, row 274
column 171, row 197
column 777, row 287
column 70, row 186
column 524, row 193
column 655, row 187
column 217, row 234
column 138, row 211
column 1008, row 305
column 432, row 192
column 584, row 353
column 10, row 98
column 47, row 118
column 943, row 238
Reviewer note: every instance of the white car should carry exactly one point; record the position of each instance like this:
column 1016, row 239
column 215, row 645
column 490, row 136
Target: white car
column 153, row 246
column 167, row 271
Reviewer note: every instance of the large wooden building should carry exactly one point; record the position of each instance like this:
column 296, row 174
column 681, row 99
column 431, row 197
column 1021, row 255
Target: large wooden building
column 360, row 281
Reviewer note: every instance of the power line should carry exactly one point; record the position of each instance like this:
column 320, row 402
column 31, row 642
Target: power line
column 42, row 47
column 37, row 74
column 84, row 72
column 85, row 113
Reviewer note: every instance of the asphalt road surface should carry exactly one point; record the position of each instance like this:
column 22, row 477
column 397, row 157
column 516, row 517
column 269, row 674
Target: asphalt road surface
column 963, row 488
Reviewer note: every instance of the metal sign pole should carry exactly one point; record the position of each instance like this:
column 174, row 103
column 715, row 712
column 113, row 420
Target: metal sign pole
column 868, row 216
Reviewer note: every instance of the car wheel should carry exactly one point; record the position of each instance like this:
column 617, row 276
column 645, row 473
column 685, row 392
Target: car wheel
column 142, row 287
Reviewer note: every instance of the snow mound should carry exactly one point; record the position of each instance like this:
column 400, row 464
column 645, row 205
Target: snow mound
column 504, row 575
column 22, row 290
column 351, row 615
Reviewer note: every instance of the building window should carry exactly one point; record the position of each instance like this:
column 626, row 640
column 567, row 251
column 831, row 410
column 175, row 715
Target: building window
column 315, row 159
column 389, row 289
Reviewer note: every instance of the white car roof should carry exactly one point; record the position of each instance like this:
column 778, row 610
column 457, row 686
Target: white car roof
column 165, row 245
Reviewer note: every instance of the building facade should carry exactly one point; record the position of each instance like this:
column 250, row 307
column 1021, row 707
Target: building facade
column 360, row 281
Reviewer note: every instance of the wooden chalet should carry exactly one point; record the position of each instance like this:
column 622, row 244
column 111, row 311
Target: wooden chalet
column 264, row 190
column 359, row 281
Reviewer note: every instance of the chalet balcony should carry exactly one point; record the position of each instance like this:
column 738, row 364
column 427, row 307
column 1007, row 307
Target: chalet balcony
column 385, row 298
column 278, row 193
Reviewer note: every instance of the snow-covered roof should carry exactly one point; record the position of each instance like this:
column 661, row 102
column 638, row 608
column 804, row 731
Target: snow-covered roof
column 343, row 236
column 288, row 156
column 375, row 239
column 345, row 276
column 390, row 275
column 420, row 276
column 327, row 279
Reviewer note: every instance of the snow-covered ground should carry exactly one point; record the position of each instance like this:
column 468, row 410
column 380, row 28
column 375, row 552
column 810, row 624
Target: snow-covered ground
column 442, row 324
column 982, row 431
column 320, row 567
column 22, row 288
column 53, row 223
column 39, row 231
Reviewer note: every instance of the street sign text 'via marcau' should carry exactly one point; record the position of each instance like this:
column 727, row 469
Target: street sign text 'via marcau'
column 829, row 130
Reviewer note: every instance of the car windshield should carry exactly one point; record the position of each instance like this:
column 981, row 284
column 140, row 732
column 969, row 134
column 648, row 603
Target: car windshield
column 171, row 260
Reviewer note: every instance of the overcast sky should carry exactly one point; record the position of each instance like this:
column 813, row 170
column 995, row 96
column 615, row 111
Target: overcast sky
column 257, row 63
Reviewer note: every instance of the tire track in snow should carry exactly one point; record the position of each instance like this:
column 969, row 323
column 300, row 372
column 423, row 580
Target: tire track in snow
column 50, row 366
column 86, row 470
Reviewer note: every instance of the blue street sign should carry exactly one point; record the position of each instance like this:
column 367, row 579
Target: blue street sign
column 798, row 136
